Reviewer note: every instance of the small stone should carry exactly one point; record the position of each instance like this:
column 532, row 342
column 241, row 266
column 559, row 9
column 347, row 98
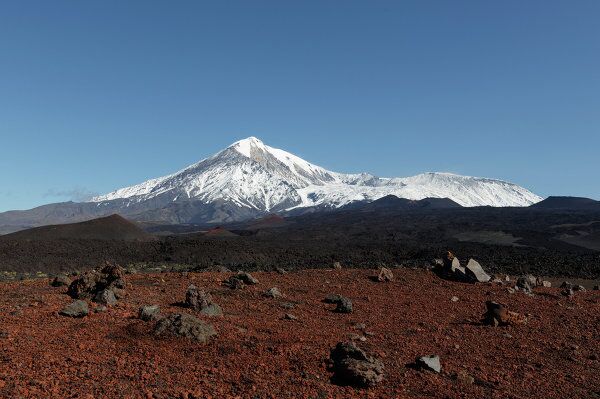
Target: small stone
column 385, row 274
column 546, row 284
column 344, row 305
column 234, row 283
column 105, row 297
column 431, row 363
column 185, row 325
column 148, row 313
column 61, row 280
column 464, row 378
column 360, row 326
column 523, row 284
column 289, row 316
column 475, row 272
column 100, row 309
column 272, row 293
column 333, row 298
column 281, row 270
column 337, row 265
column 498, row 315
column 288, row 305
column 454, row 299
column 246, row 278
column 353, row 366
column 212, row 310
column 76, row 309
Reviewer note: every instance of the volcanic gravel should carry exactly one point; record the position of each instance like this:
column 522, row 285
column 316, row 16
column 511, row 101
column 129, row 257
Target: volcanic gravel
column 259, row 354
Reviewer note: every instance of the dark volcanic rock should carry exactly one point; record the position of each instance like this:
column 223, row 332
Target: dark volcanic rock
column 201, row 300
column 185, row 325
column 75, row 309
column 332, row 298
column 90, row 283
column 353, row 366
column 246, row 278
column 344, row 305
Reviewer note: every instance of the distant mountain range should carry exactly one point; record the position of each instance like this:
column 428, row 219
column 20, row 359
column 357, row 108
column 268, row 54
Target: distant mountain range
column 249, row 179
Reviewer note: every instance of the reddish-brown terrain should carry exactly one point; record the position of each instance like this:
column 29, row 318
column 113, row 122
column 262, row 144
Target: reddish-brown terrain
column 257, row 354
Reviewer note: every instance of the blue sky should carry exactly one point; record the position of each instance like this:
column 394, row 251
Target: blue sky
column 99, row 95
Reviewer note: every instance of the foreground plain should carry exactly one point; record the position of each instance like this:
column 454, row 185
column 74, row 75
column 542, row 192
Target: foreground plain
column 258, row 354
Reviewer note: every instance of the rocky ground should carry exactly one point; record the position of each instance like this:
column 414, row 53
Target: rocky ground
column 259, row 352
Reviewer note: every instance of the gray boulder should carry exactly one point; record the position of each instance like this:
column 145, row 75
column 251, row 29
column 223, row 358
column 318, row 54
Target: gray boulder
column 212, row 310
column 333, row 298
column 76, row 309
column 475, row 272
column 246, row 278
column 185, row 325
column 105, row 297
column 148, row 313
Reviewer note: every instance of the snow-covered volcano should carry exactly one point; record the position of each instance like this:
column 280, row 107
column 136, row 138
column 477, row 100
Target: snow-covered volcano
column 254, row 176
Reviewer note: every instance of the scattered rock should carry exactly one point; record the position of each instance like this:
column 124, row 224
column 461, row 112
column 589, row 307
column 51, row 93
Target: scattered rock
column 148, row 313
column 61, row 280
column 546, row 284
column 333, row 298
column 78, row 308
column 289, row 316
column 523, row 284
column 288, row 305
column 185, row 325
column 464, row 378
column 385, row 274
column 475, row 272
column 498, row 315
column 100, row 309
column 212, row 310
column 337, row 265
column 281, row 270
column 353, row 366
column 454, row 299
column 234, row 283
column 201, row 300
column 272, row 293
column 431, row 363
column 247, row 278
column 105, row 297
column 344, row 305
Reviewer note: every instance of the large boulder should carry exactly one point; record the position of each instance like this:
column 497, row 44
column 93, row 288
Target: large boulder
column 105, row 297
column 475, row 272
column 75, row 309
column 344, row 305
column 185, row 325
column 353, row 366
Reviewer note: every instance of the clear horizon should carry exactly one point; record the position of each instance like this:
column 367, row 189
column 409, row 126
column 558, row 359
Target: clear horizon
column 99, row 96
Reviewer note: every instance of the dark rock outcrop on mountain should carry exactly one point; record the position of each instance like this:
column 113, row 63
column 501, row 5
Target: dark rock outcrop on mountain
column 570, row 203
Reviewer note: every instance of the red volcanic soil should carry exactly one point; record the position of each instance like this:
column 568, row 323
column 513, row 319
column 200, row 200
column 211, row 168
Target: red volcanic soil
column 257, row 354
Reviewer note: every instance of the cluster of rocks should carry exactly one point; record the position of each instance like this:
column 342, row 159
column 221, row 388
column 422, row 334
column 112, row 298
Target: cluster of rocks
column 240, row 280
column 451, row 269
column 343, row 304
column 198, row 299
column 103, row 286
column 353, row 366
column 527, row 283
column 497, row 314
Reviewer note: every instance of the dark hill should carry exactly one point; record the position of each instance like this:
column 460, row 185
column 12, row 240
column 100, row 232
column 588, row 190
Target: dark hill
column 571, row 203
column 112, row 227
column 391, row 202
